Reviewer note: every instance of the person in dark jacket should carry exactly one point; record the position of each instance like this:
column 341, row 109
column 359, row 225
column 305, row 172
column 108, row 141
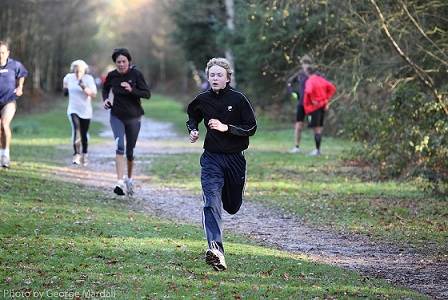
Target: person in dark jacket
column 122, row 91
column 230, row 120
column 12, row 78
column 299, row 79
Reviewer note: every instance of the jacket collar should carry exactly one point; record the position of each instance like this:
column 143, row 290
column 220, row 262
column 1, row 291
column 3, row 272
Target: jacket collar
column 220, row 92
column 8, row 60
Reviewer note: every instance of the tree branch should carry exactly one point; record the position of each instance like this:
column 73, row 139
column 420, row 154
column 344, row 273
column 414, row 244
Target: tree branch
column 424, row 77
column 420, row 29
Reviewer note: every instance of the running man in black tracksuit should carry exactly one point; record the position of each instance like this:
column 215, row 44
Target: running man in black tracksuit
column 230, row 120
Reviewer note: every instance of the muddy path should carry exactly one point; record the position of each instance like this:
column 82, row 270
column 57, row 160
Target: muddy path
column 272, row 227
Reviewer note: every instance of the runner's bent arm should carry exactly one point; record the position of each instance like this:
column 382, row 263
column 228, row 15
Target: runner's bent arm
column 141, row 88
column 19, row 88
column 65, row 86
column 90, row 89
column 106, row 88
column 194, row 115
column 248, row 124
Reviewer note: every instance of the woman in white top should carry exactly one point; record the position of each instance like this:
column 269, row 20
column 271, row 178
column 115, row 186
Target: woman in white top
column 80, row 89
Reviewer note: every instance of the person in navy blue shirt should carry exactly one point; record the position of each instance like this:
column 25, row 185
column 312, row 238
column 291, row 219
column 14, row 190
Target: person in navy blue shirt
column 230, row 120
column 12, row 78
column 299, row 79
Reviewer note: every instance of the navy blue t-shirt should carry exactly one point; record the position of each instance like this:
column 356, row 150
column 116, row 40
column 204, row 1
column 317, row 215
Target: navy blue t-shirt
column 9, row 73
column 301, row 79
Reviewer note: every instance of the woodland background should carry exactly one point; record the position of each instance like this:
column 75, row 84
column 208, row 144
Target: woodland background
column 388, row 60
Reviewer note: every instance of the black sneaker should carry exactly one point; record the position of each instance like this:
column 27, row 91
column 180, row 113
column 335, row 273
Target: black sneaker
column 119, row 189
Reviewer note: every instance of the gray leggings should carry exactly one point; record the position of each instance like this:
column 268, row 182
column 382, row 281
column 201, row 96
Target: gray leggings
column 129, row 128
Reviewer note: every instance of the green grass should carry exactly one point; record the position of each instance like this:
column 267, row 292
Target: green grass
column 327, row 191
column 61, row 240
column 55, row 238
column 158, row 108
column 35, row 139
column 162, row 108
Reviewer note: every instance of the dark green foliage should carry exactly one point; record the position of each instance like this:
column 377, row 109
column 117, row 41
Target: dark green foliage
column 409, row 137
column 198, row 25
column 400, row 119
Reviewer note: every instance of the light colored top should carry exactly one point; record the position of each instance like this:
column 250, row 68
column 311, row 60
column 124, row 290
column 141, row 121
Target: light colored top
column 78, row 102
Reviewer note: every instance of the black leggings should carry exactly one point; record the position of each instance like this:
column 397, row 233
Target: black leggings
column 128, row 129
column 80, row 127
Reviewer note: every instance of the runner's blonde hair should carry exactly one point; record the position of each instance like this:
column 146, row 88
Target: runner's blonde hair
column 79, row 63
column 4, row 43
column 221, row 62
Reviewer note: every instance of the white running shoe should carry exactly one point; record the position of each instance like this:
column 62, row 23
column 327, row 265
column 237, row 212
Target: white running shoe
column 5, row 161
column 216, row 259
column 295, row 150
column 76, row 159
column 315, row 152
column 85, row 159
column 129, row 186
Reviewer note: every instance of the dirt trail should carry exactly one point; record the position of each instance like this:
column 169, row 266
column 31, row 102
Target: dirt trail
column 268, row 226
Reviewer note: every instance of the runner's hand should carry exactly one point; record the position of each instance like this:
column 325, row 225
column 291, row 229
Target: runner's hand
column 194, row 135
column 126, row 86
column 107, row 104
column 87, row 91
column 18, row 91
column 217, row 125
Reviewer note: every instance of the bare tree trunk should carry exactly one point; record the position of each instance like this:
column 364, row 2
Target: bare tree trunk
column 230, row 9
column 9, row 19
column 34, row 50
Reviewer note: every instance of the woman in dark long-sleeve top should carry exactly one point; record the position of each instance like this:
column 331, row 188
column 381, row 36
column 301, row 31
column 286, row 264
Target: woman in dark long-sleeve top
column 122, row 92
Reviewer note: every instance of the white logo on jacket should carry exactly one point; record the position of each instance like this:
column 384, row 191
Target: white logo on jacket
column 229, row 108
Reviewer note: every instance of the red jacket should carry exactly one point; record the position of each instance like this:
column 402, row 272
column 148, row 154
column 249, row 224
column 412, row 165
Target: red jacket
column 318, row 92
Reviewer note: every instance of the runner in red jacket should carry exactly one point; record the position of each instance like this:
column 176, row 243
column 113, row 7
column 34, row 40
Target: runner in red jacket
column 318, row 92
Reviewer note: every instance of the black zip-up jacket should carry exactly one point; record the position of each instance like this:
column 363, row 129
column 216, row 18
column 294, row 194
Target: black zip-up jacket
column 126, row 105
column 231, row 108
